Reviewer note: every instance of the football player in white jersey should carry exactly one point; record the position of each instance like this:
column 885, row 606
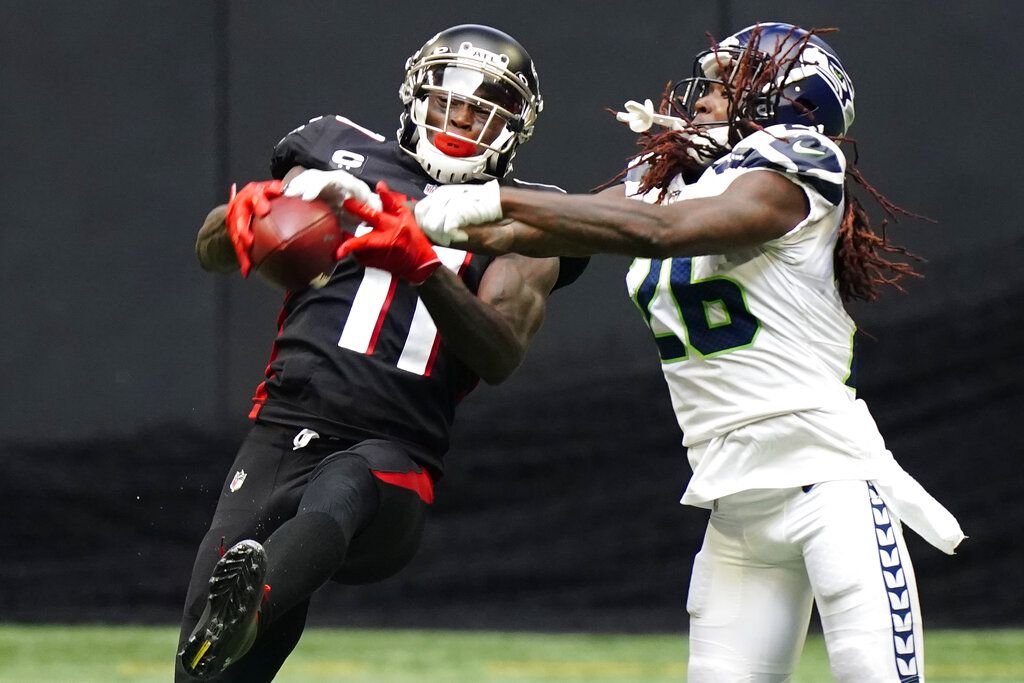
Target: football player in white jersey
column 747, row 243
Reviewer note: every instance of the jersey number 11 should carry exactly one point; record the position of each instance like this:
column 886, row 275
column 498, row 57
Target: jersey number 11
column 370, row 307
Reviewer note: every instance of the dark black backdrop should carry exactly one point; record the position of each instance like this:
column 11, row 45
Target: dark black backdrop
column 127, row 370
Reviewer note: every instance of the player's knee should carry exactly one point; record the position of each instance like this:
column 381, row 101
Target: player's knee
column 711, row 670
column 343, row 487
column 705, row 669
column 870, row 657
column 867, row 637
column 851, row 664
column 389, row 542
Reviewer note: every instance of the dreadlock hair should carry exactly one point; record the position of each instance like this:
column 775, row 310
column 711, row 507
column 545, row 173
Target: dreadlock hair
column 861, row 258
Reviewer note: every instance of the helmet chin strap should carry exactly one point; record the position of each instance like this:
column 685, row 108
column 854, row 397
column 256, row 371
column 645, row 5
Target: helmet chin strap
column 708, row 143
column 449, row 169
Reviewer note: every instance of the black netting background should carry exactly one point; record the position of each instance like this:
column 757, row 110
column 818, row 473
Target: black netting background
column 559, row 510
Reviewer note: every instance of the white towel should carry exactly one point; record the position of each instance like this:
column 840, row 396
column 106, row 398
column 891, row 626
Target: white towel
column 908, row 501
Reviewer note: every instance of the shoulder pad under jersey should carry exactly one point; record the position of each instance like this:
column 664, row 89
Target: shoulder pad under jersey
column 799, row 151
column 311, row 144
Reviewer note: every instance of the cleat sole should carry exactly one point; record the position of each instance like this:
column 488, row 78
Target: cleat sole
column 228, row 625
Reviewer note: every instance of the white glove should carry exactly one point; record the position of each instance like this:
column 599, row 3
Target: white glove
column 334, row 187
column 640, row 117
column 448, row 208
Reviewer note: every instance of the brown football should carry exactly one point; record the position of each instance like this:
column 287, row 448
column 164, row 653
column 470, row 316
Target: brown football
column 294, row 245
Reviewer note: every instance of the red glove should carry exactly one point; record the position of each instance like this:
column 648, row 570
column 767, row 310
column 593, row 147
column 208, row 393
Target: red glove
column 252, row 201
column 396, row 243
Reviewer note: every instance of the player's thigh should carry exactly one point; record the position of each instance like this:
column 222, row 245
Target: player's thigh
column 266, row 481
column 864, row 586
column 389, row 494
column 748, row 614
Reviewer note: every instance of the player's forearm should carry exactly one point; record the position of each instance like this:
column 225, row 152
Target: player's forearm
column 213, row 246
column 473, row 330
column 510, row 237
column 548, row 224
column 755, row 208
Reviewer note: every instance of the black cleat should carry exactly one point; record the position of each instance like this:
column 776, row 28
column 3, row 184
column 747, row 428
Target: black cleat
column 228, row 626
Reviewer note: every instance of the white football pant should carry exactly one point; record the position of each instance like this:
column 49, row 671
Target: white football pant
column 769, row 553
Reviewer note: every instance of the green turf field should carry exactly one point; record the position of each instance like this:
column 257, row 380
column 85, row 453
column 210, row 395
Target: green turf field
column 53, row 654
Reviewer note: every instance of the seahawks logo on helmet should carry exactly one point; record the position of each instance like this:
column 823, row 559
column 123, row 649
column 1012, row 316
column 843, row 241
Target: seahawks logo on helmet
column 810, row 86
column 827, row 67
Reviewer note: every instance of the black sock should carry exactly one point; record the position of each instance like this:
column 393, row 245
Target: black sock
column 301, row 556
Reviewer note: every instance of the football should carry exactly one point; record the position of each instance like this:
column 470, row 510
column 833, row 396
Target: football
column 294, row 245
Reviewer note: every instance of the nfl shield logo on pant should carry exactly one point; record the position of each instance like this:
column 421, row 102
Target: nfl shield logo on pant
column 237, row 481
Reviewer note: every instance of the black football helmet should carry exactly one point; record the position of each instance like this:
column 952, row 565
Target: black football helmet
column 485, row 68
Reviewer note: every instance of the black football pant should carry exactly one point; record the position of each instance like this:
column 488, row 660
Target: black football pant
column 342, row 509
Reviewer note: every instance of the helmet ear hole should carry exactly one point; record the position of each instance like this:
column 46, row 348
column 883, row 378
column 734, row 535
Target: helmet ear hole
column 805, row 106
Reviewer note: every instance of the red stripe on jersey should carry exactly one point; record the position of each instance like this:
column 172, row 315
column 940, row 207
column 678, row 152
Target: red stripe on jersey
column 258, row 399
column 419, row 482
column 260, row 395
column 380, row 317
column 437, row 337
column 433, row 355
column 465, row 264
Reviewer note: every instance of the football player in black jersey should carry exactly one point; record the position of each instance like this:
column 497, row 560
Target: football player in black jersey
column 352, row 420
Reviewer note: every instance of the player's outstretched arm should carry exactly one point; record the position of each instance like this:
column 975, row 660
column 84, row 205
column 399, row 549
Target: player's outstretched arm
column 756, row 207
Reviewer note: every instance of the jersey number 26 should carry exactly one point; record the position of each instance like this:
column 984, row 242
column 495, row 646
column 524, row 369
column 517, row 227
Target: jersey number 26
column 713, row 312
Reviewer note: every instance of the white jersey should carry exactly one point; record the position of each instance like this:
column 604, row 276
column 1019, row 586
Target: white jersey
column 762, row 332
column 756, row 346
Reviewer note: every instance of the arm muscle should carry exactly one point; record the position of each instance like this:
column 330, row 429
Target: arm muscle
column 757, row 207
column 491, row 331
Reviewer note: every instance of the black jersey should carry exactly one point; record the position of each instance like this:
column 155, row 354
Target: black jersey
column 361, row 355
